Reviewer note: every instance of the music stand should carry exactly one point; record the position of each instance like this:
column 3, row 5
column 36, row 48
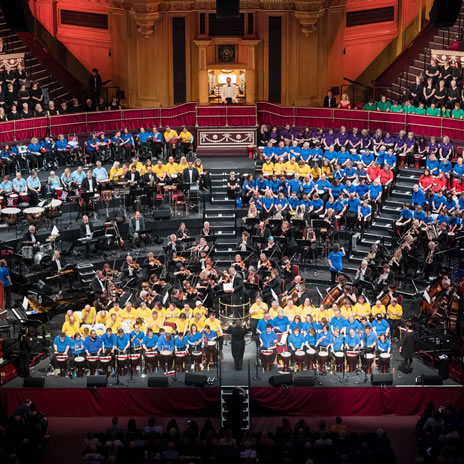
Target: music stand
column 275, row 222
column 299, row 223
column 251, row 222
column 259, row 240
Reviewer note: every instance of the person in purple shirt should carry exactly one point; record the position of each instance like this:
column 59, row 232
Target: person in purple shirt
column 274, row 135
column 446, row 148
column 432, row 146
column 317, row 136
column 400, row 147
column 366, row 140
column 286, row 133
column 389, row 141
column 407, row 157
column 328, row 139
column 355, row 139
column 342, row 139
column 377, row 139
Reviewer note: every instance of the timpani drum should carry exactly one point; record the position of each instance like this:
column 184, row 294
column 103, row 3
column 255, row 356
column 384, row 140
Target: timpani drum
column 267, row 358
column 368, row 360
column 79, row 364
column 196, row 358
column 311, row 358
column 105, row 362
column 92, row 364
column 323, row 359
column 42, row 259
column 384, row 363
column 285, row 355
column 165, row 358
column 23, row 198
column 53, row 209
column 352, row 358
column 10, row 215
column 34, row 214
column 339, row 360
column 62, row 362
column 300, row 357
column 211, row 349
column 12, row 200
column 134, row 360
column 181, row 357
column 106, row 195
column 150, row 361
column 121, row 360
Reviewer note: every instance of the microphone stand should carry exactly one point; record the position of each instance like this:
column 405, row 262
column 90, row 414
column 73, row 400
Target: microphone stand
column 131, row 379
column 257, row 377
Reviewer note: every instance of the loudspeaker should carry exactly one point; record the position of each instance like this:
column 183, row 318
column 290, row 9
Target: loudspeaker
column 429, row 380
column 282, row 379
column 444, row 13
column 196, row 380
column 157, row 382
column 443, row 367
column 226, row 9
column 304, row 381
column 382, row 379
column 162, row 213
column 34, row 382
column 96, row 381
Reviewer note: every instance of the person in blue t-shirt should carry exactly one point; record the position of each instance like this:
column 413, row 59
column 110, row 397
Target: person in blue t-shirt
column 77, row 345
column 194, row 338
column 405, row 219
column 108, row 340
column 383, row 345
column 365, row 215
column 324, row 339
column 180, row 342
column 150, row 341
column 418, row 196
column 362, row 189
column 380, row 325
column 61, row 343
column 137, row 338
column 419, row 213
column 368, row 339
column 296, row 340
column 352, row 340
column 335, row 261
column 281, row 323
column 122, row 341
column 353, row 212
column 93, row 344
column 338, row 341
column 268, row 342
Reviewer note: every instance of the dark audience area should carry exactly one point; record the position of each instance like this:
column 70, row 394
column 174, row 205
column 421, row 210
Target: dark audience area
column 190, row 443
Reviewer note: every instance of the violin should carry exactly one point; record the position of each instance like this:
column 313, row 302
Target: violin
column 135, row 266
column 154, row 262
column 266, row 264
column 179, row 259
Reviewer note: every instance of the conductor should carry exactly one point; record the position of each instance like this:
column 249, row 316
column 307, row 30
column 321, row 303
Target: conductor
column 238, row 332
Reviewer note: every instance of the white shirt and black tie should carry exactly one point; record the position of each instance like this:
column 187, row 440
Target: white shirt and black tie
column 229, row 91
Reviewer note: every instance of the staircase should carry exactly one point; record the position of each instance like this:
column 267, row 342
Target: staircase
column 226, row 392
column 382, row 226
column 34, row 69
column 413, row 61
column 221, row 214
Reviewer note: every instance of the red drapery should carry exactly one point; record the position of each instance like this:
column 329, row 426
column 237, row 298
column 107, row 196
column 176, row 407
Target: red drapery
column 347, row 401
column 68, row 124
column 226, row 115
column 426, row 125
column 133, row 119
column 7, row 131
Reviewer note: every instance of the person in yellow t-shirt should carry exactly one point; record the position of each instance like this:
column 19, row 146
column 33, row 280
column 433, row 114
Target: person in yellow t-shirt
column 307, row 308
column 116, row 309
column 303, row 169
column 142, row 326
column 267, row 168
column 379, row 308
column 279, row 168
column 257, row 310
column 155, row 322
column 274, row 309
column 291, row 167
column 183, row 164
column 290, row 310
column 101, row 317
column 347, row 309
column 199, row 308
column 129, row 313
column 116, row 172
column 186, row 139
column 144, row 312
column 113, row 323
column 215, row 324
column 138, row 165
column 315, row 172
column 395, row 314
column 172, row 168
column 160, row 171
column 182, row 323
column 362, row 308
column 171, row 315
column 70, row 327
column 171, row 138
column 198, row 321
column 88, row 315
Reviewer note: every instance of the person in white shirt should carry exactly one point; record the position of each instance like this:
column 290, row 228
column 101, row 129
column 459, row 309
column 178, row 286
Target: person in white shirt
column 229, row 92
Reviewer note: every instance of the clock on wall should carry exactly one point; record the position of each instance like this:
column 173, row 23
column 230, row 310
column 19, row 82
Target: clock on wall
column 225, row 53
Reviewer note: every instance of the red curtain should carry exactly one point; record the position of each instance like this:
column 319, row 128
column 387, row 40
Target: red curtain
column 351, row 118
column 133, row 119
column 275, row 115
column 211, row 116
column 313, row 117
column 83, row 402
column 453, row 128
column 388, row 122
column 68, row 124
column 180, row 115
column 345, row 401
column 425, row 125
column 28, row 128
column 6, row 131
column 104, row 121
column 243, row 116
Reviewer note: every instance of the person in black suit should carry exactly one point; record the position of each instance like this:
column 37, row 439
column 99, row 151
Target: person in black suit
column 149, row 178
column 95, row 84
column 238, row 332
column 190, row 174
column 98, row 286
column 364, row 276
column 89, row 184
column 86, row 231
column 329, row 100
column 133, row 177
column 238, row 287
column 31, row 237
column 136, row 226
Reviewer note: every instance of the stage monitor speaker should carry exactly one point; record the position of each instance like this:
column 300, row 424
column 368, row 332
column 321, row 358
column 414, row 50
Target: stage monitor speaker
column 443, row 367
column 444, row 13
column 429, row 380
column 96, row 381
column 382, row 379
column 157, row 382
column 226, row 9
column 162, row 213
column 197, row 380
column 34, row 382
column 304, row 381
column 280, row 380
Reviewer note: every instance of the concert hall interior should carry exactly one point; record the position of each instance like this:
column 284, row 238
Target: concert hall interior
column 231, row 229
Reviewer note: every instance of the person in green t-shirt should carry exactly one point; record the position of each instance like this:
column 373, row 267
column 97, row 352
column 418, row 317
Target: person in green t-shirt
column 444, row 112
column 408, row 107
column 383, row 104
column 395, row 108
column 370, row 106
column 432, row 110
column 457, row 113
column 421, row 109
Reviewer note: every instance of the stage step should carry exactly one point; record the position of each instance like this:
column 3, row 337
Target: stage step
column 226, row 395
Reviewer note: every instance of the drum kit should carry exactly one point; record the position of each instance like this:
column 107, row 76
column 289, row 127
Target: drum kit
column 352, row 358
column 92, row 363
column 384, row 363
column 323, row 360
column 311, row 358
column 339, row 361
column 368, row 360
column 121, row 360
